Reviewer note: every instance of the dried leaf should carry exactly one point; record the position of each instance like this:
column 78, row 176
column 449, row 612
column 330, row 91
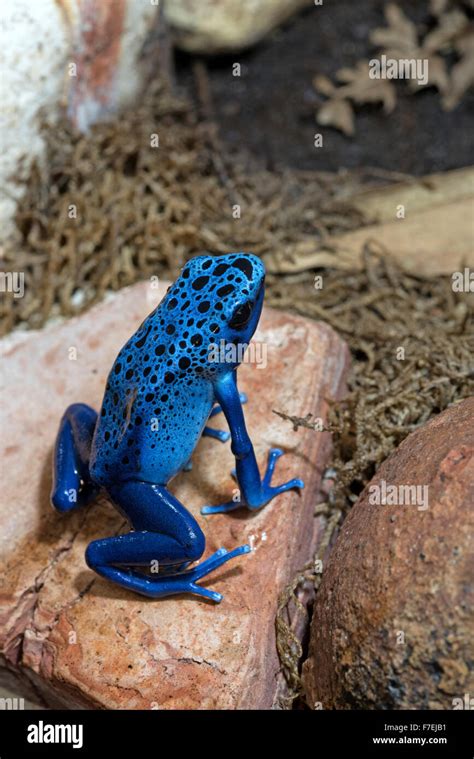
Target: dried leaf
column 347, row 74
column 400, row 34
column 337, row 113
column 362, row 89
column 437, row 75
column 464, row 45
column 323, row 85
column 398, row 42
column 450, row 25
column 462, row 73
column 437, row 7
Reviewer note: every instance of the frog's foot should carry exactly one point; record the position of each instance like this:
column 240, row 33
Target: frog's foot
column 268, row 492
column 260, row 495
column 165, row 584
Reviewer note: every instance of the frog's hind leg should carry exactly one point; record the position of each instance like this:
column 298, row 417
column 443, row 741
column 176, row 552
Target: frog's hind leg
column 72, row 485
column 166, row 538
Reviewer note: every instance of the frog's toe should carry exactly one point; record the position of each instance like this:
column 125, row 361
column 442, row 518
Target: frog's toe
column 221, row 435
column 187, row 581
column 295, row 484
column 211, row 595
column 223, row 508
column 222, row 556
column 273, row 455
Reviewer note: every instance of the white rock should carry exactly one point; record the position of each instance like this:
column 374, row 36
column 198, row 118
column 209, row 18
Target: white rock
column 38, row 42
column 207, row 26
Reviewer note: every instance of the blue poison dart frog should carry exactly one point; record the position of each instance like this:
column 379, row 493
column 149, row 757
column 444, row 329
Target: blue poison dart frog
column 162, row 389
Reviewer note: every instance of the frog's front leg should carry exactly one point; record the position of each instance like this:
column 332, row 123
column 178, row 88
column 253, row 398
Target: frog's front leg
column 153, row 559
column 220, row 434
column 255, row 492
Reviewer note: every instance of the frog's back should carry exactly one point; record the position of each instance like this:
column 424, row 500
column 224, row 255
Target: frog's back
column 157, row 399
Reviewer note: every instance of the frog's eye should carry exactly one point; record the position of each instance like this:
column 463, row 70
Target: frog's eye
column 241, row 316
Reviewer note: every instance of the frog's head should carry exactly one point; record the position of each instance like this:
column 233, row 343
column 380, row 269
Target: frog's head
column 225, row 294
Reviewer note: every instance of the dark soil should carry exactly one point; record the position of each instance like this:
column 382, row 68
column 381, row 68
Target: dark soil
column 269, row 111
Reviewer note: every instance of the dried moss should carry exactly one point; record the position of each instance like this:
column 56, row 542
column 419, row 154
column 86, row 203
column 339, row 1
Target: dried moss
column 143, row 210
column 412, row 345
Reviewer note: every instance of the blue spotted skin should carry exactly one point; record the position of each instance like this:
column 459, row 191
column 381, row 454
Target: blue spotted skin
column 160, row 393
column 161, row 390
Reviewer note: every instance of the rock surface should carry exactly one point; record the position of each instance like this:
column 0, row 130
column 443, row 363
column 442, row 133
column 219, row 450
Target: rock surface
column 394, row 616
column 83, row 642
column 207, row 26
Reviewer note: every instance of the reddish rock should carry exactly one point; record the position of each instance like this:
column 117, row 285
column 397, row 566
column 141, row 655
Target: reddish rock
column 394, row 616
column 83, row 642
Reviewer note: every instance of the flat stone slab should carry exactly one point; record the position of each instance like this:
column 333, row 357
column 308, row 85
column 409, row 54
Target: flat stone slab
column 79, row 641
